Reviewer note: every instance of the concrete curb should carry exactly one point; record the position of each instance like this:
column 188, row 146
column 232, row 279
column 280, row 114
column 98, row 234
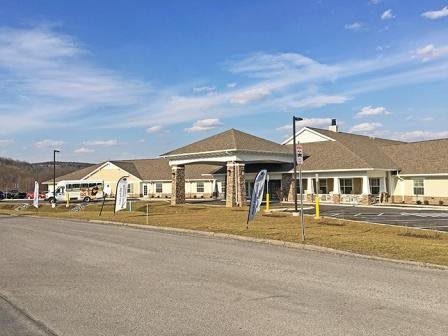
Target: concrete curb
column 305, row 247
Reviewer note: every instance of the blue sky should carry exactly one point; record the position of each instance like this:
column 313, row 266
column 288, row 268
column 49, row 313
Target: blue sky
column 132, row 79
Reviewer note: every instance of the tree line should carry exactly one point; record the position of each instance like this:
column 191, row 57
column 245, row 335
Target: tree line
column 20, row 175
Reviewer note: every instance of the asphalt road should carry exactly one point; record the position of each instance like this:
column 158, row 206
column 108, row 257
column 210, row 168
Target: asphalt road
column 79, row 278
column 409, row 216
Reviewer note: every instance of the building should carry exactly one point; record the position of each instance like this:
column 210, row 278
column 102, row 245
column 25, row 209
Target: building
column 148, row 178
column 338, row 167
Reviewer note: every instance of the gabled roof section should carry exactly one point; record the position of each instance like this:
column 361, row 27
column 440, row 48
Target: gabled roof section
column 423, row 157
column 230, row 140
column 156, row 169
column 351, row 137
column 347, row 151
column 316, row 134
column 76, row 175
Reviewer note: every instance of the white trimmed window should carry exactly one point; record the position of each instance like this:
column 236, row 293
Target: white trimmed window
column 200, row 187
column 130, row 188
column 374, row 186
column 159, row 188
column 346, row 186
column 145, row 190
column 419, row 186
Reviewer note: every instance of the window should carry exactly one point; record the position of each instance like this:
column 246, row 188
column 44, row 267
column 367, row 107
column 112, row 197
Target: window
column 145, row 190
column 84, row 185
column 323, row 187
column 304, row 185
column 200, row 187
column 374, row 186
column 419, row 188
column 346, row 186
column 130, row 188
column 159, row 188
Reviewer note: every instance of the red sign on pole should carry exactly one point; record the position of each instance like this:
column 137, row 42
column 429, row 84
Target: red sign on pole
column 299, row 153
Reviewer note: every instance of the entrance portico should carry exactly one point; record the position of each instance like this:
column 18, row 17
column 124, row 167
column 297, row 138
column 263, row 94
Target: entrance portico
column 234, row 150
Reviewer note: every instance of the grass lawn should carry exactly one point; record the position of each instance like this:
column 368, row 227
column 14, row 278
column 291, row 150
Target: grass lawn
column 369, row 239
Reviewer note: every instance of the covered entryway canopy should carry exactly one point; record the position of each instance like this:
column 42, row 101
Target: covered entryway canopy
column 232, row 148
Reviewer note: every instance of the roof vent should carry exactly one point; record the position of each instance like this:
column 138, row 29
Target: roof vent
column 334, row 127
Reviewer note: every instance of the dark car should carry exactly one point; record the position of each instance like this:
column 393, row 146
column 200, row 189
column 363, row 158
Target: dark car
column 11, row 194
column 2, row 195
column 21, row 195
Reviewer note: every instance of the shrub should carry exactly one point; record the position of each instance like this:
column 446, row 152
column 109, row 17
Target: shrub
column 419, row 202
column 440, row 202
column 425, row 202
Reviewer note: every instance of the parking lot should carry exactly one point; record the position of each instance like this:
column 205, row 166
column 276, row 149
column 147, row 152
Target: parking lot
column 412, row 217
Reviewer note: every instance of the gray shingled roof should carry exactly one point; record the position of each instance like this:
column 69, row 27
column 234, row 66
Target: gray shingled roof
column 423, row 157
column 348, row 151
column 159, row 169
column 148, row 169
column 231, row 140
column 77, row 174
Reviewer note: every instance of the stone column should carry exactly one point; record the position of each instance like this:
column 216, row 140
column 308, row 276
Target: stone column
column 365, row 191
column 235, row 185
column 309, row 190
column 336, row 198
column 177, row 185
column 382, row 184
column 288, row 187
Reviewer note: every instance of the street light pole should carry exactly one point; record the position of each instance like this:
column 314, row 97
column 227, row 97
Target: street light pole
column 54, row 176
column 294, row 119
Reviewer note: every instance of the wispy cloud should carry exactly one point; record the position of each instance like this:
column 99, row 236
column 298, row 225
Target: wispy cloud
column 311, row 122
column 365, row 127
column 84, row 150
column 355, row 26
column 204, row 89
column 204, row 125
column 154, row 129
column 250, row 95
column 53, row 72
column 368, row 111
column 110, row 142
column 6, row 142
column 387, row 15
column 430, row 52
column 318, row 101
column 436, row 14
column 418, row 135
column 53, row 80
column 48, row 143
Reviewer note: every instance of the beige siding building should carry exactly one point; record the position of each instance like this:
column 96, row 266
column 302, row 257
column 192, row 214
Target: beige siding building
column 338, row 167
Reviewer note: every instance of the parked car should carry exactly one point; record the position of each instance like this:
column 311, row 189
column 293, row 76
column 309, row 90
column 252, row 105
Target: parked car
column 11, row 194
column 2, row 195
column 21, row 195
column 30, row 195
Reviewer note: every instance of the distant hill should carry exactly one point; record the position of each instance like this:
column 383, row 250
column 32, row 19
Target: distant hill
column 21, row 175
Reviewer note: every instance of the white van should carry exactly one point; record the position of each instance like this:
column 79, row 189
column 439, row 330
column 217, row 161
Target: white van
column 80, row 190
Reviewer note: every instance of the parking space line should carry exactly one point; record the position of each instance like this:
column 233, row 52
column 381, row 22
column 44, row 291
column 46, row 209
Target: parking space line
column 358, row 214
column 380, row 214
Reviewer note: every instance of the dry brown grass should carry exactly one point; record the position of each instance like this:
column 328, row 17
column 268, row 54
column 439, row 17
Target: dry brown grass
column 370, row 239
